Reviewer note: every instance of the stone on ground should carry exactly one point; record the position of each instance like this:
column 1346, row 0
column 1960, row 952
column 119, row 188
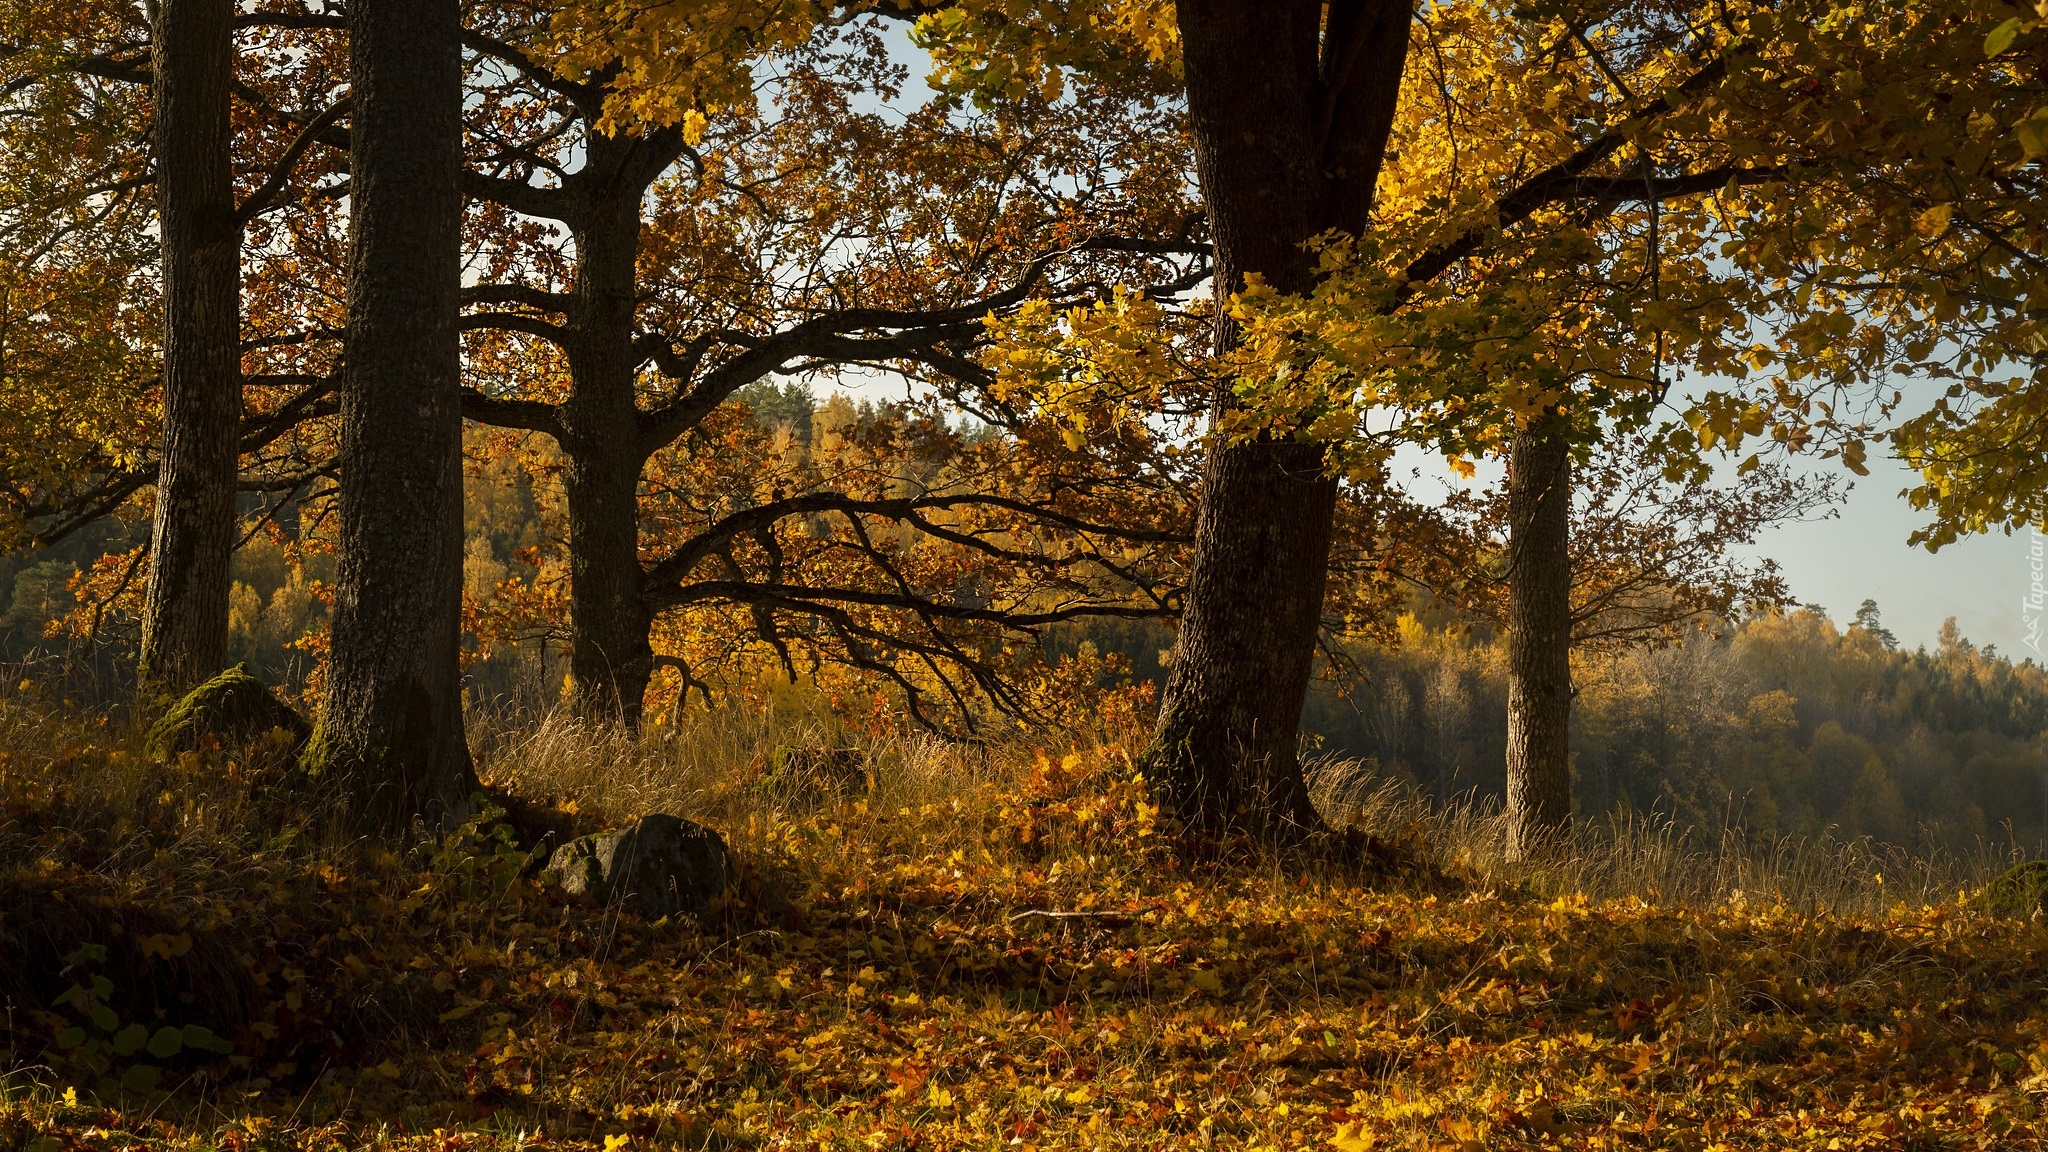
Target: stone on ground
column 657, row 866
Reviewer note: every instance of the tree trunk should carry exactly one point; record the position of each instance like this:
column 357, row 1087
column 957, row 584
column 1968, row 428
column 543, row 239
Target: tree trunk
column 598, row 426
column 391, row 718
column 185, row 613
column 610, row 657
column 1224, row 746
column 1290, row 117
column 1539, row 636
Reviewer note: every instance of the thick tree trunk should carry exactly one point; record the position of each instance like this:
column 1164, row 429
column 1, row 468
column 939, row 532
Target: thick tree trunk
column 1539, row 637
column 1290, row 117
column 1224, row 746
column 610, row 657
column 391, row 718
column 185, row 614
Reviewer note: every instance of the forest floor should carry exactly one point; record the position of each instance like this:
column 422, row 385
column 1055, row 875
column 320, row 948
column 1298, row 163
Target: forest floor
column 997, row 950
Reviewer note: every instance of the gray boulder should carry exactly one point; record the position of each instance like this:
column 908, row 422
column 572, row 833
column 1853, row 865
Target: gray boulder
column 657, row 866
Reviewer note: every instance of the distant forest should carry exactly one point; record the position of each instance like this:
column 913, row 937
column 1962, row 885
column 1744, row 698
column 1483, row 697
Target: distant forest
column 1782, row 725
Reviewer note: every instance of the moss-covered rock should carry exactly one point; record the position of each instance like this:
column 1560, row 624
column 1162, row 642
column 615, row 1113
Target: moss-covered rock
column 2022, row 891
column 233, row 706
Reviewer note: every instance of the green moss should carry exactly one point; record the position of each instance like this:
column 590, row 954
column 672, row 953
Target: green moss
column 233, row 706
column 319, row 754
column 2022, row 891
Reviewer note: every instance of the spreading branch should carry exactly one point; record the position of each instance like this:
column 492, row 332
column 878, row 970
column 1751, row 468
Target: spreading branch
column 312, row 133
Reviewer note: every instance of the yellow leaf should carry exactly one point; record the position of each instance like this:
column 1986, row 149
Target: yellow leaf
column 1852, row 457
column 1351, row 1138
column 2033, row 133
column 1934, row 221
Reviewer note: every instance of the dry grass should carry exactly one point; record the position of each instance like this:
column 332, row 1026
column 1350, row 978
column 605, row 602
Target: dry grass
column 741, row 768
column 1654, row 859
column 732, row 766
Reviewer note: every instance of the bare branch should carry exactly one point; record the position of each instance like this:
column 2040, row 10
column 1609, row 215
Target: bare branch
column 532, row 415
column 515, row 322
column 533, row 298
column 261, row 200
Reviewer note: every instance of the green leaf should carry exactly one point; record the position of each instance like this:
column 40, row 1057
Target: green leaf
column 89, row 954
column 141, row 1078
column 204, row 1040
column 71, row 1038
column 2002, row 37
column 103, row 1017
column 2033, row 133
column 167, row 1042
column 128, row 1041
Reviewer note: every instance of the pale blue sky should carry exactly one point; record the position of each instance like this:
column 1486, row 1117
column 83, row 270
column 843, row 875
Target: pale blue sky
column 1863, row 554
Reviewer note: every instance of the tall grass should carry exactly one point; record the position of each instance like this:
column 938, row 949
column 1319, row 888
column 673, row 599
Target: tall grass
column 78, row 787
column 736, row 767
column 1653, row 858
column 751, row 771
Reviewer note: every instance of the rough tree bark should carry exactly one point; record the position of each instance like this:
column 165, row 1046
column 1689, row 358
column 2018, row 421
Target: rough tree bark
column 1290, row 112
column 599, row 425
column 1539, row 636
column 185, row 614
column 610, row 657
column 391, row 717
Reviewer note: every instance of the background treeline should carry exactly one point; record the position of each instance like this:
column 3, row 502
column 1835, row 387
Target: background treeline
column 1783, row 724
column 514, row 545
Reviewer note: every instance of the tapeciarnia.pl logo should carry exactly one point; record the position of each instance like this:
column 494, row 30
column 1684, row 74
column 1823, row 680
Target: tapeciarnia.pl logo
column 2035, row 605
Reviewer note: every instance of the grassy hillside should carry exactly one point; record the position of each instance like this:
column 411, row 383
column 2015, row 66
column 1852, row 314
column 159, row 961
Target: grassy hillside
column 1002, row 947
